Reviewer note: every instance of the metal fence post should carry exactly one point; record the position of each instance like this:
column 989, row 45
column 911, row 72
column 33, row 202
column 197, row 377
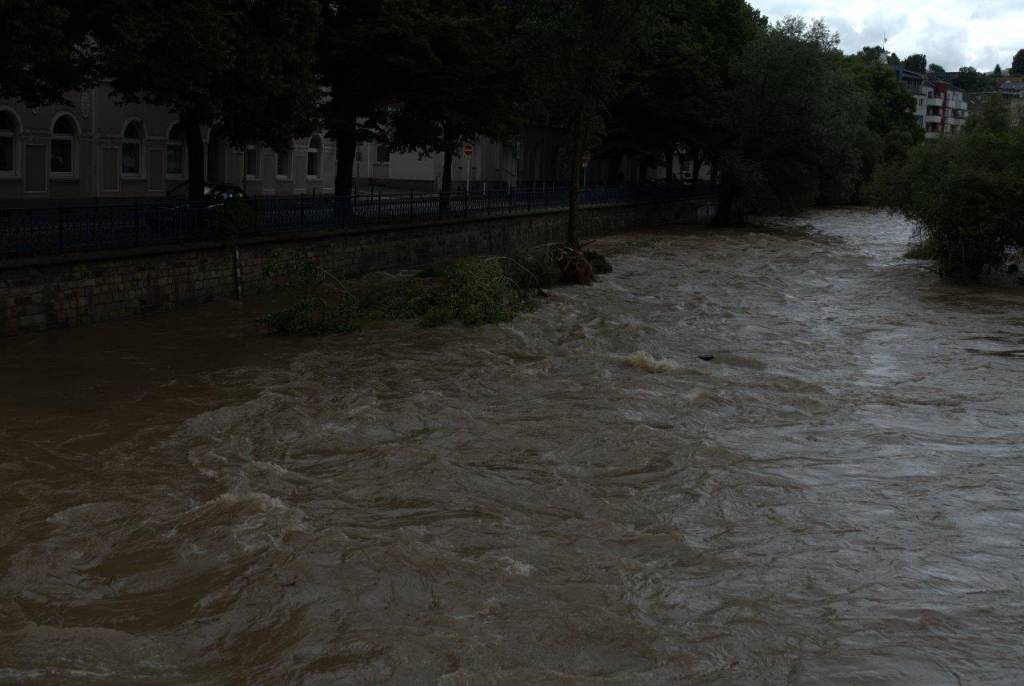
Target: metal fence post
column 136, row 222
column 302, row 212
column 411, row 205
column 60, row 230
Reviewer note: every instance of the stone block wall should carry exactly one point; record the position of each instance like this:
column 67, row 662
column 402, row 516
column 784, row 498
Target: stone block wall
column 52, row 293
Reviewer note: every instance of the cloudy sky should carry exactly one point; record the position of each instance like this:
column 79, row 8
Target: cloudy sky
column 952, row 33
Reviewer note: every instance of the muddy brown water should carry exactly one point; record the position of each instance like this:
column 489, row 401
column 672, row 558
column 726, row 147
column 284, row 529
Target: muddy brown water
column 572, row 498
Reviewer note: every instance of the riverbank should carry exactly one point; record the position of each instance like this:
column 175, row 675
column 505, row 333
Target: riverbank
column 60, row 292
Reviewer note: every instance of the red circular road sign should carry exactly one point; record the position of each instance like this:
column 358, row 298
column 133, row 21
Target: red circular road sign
column 467, row 149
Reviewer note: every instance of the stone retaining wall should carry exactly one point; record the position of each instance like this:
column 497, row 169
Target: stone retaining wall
column 51, row 293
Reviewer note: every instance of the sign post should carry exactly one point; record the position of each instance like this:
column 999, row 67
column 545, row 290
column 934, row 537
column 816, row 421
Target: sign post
column 586, row 163
column 467, row 150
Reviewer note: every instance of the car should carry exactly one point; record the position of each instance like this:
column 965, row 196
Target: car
column 216, row 192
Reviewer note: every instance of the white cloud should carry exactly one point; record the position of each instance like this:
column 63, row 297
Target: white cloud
column 953, row 33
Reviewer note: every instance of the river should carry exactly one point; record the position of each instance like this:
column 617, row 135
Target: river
column 572, row 498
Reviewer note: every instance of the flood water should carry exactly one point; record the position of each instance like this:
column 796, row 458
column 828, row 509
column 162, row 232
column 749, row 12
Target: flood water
column 572, row 498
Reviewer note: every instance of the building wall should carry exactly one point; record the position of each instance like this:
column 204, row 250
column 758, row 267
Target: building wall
column 55, row 293
column 492, row 163
column 100, row 124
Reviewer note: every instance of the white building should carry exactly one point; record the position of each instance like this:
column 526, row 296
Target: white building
column 97, row 148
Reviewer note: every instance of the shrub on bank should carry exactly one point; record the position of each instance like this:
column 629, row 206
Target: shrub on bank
column 965, row 192
column 473, row 291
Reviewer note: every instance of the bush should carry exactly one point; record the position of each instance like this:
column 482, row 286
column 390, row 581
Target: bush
column 314, row 316
column 475, row 291
column 533, row 268
column 396, row 299
column 324, row 304
column 965, row 193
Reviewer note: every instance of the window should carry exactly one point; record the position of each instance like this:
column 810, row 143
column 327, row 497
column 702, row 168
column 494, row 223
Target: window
column 62, row 146
column 252, row 162
column 8, row 130
column 383, row 154
column 313, row 157
column 284, row 164
column 131, row 149
column 175, row 152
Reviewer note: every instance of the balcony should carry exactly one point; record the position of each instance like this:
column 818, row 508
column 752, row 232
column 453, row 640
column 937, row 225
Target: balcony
column 932, row 119
column 936, row 102
column 931, row 135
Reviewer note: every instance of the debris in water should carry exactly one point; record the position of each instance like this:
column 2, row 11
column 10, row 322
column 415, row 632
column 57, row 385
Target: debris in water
column 706, row 358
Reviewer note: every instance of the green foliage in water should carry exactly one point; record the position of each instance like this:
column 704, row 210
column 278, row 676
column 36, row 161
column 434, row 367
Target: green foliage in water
column 475, row 291
column 323, row 304
column 965, row 192
column 396, row 299
column 533, row 268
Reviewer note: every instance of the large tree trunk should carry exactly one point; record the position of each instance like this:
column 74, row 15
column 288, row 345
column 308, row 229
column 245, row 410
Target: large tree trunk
column 726, row 199
column 346, row 158
column 670, row 162
column 196, row 158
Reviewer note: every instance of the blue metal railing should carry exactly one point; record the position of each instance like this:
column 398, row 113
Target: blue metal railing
column 64, row 229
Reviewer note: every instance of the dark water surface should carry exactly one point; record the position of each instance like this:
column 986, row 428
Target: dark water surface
column 573, row 498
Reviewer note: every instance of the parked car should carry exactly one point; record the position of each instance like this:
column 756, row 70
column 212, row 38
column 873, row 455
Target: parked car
column 217, row 192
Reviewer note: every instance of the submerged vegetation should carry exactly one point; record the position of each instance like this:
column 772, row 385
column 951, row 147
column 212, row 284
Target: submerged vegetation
column 473, row 291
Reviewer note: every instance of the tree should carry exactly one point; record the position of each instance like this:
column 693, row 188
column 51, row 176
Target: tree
column 1018, row 63
column 972, row 80
column 893, row 59
column 245, row 66
column 363, row 80
column 917, row 63
column 675, row 90
column 795, row 121
column 873, row 54
column 575, row 54
column 964, row 192
column 998, row 71
column 44, row 53
column 892, row 128
column 464, row 85
column 936, row 68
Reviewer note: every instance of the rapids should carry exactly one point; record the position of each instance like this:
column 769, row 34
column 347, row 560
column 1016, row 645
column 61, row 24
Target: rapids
column 572, row 498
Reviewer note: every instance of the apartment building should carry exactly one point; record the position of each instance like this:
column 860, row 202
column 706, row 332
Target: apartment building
column 95, row 147
column 941, row 108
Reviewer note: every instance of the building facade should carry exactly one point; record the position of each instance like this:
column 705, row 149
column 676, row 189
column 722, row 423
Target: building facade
column 941, row 109
column 95, row 147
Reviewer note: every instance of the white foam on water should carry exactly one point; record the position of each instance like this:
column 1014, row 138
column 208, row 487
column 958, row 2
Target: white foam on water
column 642, row 359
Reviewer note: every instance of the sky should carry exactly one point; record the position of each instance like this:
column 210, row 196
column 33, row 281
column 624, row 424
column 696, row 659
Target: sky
column 952, row 33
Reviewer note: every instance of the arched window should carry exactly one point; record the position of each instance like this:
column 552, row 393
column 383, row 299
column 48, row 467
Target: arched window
column 284, row 163
column 62, row 145
column 8, row 145
column 313, row 157
column 252, row 162
column 131, row 149
column 175, row 151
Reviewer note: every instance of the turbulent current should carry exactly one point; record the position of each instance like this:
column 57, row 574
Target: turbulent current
column 573, row 498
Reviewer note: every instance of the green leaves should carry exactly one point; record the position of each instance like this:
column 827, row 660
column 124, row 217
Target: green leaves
column 965, row 193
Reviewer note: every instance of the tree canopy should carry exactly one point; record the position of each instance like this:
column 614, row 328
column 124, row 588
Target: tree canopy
column 917, row 63
column 1018, row 63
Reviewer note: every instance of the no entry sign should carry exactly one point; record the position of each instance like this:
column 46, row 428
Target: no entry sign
column 467, row 149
